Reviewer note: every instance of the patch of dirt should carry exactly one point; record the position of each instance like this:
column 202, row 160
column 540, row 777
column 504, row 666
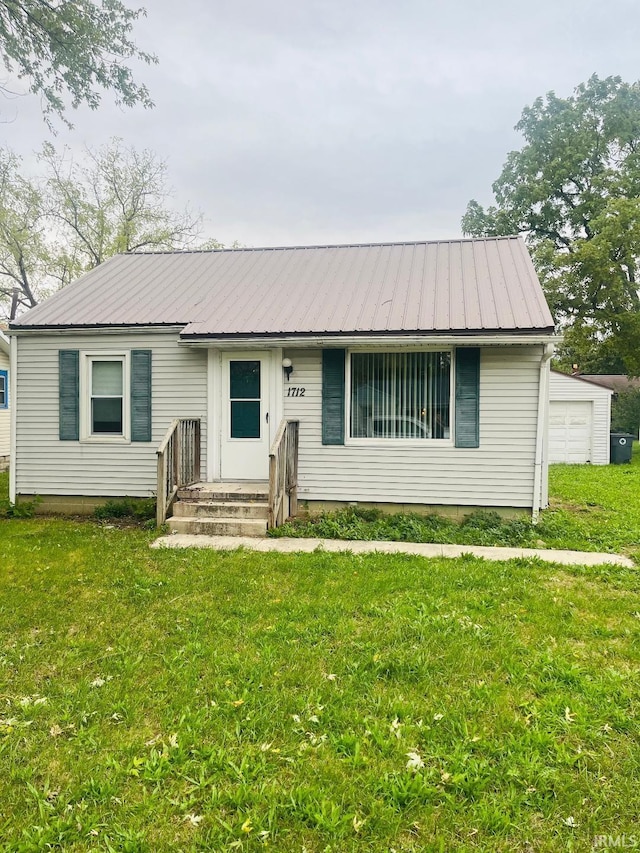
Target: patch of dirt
column 570, row 506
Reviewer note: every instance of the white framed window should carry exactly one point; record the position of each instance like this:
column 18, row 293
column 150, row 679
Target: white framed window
column 104, row 397
column 402, row 395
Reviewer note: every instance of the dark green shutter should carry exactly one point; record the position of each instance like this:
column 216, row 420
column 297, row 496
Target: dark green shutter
column 467, row 418
column 69, row 394
column 333, row 361
column 141, row 395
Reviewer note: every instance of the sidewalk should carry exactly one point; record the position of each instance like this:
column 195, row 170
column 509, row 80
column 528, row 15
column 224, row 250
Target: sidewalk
column 291, row 546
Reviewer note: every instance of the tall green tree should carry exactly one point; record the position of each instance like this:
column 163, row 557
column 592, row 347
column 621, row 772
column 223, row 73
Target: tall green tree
column 73, row 48
column 78, row 213
column 573, row 190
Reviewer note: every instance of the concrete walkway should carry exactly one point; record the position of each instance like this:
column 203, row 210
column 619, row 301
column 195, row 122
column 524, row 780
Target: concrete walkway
column 292, row 546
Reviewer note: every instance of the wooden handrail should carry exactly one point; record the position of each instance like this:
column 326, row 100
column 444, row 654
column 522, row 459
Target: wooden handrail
column 178, row 462
column 283, row 473
column 165, row 441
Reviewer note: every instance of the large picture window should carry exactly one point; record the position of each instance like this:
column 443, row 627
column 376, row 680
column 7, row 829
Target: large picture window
column 400, row 395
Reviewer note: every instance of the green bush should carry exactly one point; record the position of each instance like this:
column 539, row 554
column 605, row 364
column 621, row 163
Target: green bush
column 477, row 528
column 24, row 509
column 136, row 509
column 625, row 412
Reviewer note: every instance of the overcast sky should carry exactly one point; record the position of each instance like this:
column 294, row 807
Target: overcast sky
column 343, row 120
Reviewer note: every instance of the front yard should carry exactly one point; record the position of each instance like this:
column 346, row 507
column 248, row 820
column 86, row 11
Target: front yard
column 194, row 700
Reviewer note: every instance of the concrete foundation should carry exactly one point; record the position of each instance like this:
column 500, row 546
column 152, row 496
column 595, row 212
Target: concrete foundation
column 313, row 508
column 68, row 504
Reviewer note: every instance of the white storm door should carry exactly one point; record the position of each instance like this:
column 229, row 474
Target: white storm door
column 245, row 417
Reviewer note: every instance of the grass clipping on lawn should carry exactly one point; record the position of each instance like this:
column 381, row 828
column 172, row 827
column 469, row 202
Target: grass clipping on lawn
column 172, row 700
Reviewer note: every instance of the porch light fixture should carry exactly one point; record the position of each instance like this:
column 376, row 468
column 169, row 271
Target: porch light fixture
column 287, row 366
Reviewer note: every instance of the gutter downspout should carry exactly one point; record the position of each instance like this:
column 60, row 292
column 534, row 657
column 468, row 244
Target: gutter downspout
column 543, row 403
column 13, row 416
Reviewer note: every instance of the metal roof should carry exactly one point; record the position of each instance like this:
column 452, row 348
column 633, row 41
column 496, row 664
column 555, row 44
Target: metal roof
column 590, row 380
column 480, row 285
column 613, row 381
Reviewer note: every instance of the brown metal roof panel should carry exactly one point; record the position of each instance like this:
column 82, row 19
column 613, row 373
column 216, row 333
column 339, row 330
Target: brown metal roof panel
column 426, row 305
column 517, row 284
column 538, row 308
column 415, row 287
column 323, row 286
column 525, row 307
column 397, row 285
column 457, row 306
column 298, row 293
column 242, row 289
column 357, row 305
column 347, row 287
column 441, row 286
column 441, row 317
column 486, row 296
column 472, row 309
column 499, row 286
column 353, row 300
column 370, row 305
column 301, row 287
column 513, row 286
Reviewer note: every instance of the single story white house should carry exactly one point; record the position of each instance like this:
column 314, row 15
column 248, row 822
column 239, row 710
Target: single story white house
column 579, row 420
column 5, row 412
column 416, row 374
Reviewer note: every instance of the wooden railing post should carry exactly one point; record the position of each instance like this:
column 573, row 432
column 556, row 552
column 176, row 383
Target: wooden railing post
column 293, row 482
column 283, row 473
column 273, row 474
column 177, row 446
column 161, row 499
column 196, row 455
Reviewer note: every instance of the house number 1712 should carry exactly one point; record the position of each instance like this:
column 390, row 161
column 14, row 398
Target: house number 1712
column 296, row 391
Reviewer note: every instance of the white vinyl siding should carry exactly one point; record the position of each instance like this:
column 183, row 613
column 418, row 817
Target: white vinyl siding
column 5, row 416
column 564, row 393
column 48, row 466
column 498, row 473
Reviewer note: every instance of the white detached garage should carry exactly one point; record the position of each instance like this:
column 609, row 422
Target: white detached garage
column 579, row 420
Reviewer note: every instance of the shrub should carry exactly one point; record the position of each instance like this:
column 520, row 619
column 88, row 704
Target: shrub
column 477, row 528
column 136, row 509
column 24, row 509
column 625, row 412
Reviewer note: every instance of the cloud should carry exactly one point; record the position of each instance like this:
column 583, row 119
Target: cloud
column 295, row 122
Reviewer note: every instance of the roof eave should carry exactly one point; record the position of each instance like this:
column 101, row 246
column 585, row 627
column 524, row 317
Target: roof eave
column 469, row 337
column 113, row 328
column 582, row 379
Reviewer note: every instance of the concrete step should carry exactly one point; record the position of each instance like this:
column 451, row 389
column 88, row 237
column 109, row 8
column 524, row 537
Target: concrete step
column 225, row 491
column 221, row 509
column 218, row 526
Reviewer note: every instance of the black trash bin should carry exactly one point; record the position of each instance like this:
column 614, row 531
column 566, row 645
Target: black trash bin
column 621, row 444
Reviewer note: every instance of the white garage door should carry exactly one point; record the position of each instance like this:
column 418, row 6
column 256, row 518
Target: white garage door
column 570, row 431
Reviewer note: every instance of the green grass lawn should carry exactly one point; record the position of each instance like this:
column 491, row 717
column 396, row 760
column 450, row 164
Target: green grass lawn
column 192, row 701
